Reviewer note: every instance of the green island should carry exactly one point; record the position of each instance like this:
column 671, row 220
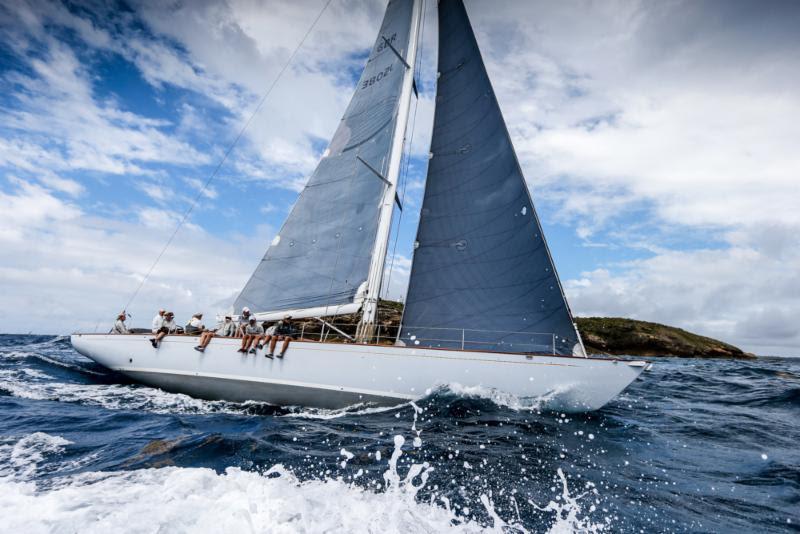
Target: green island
column 611, row 336
column 620, row 336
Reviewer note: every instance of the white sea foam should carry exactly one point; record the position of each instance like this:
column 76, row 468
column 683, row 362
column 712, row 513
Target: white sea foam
column 110, row 396
column 128, row 397
column 21, row 355
column 199, row 500
column 502, row 398
column 174, row 499
column 20, row 459
column 322, row 413
column 37, row 345
column 33, row 384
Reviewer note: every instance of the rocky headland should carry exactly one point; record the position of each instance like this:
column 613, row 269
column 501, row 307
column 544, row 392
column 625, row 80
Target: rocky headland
column 619, row 336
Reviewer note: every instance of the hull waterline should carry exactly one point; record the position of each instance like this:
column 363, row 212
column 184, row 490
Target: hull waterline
column 335, row 375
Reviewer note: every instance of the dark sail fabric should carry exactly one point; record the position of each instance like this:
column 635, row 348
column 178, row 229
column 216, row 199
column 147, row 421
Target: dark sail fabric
column 482, row 277
column 322, row 254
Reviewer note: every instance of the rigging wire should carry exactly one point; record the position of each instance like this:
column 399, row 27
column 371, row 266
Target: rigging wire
column 408, row 156
column 227, row 153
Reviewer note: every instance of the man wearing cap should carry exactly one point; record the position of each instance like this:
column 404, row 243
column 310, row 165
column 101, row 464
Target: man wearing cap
column 244, row 318
column 226, row 329
column 284, row 330
column 252, row 332
column 168, row 326
column 157, row 320
column 119, row 325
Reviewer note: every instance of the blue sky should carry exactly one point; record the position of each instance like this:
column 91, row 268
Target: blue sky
column 659, row 141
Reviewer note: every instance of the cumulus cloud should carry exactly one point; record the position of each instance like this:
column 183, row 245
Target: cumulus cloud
column 65, row 269
column 56, row 123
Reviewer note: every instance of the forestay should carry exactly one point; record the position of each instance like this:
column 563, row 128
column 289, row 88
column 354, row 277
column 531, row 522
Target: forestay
column 321, row 256
column 482, row 277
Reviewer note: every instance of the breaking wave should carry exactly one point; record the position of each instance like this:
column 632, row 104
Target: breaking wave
column 273, row 500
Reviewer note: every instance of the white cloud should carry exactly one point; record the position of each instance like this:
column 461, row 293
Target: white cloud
column 234, row 51
column 58, row 124
column 30, row 209
column 66, row 270
column 201, row 188
column 738, row 294
column 65, row 185
column 395, row 276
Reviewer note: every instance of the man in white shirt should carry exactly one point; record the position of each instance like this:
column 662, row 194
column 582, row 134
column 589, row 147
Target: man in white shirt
column 168, row 326
column 228, row 328
column 244, row 318
column 252, row 333
column 119, row 325
column 195, row 325
column 157, row 320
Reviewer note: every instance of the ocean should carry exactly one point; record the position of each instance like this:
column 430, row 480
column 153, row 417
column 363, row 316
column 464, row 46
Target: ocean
column 692, row 446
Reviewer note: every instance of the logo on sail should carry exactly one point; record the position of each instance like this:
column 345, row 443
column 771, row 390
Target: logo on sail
column 385, row 42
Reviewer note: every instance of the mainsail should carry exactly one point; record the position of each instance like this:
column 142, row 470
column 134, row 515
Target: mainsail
column 323, row 257
column 482, row 277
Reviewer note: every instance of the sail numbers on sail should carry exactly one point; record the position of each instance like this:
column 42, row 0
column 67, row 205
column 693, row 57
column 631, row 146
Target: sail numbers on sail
column 372, row 80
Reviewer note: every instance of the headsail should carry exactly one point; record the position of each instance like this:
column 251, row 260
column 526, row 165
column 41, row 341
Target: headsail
column 482, row 277
column 322, row 255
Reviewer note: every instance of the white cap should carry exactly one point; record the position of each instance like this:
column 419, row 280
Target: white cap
column 245, row 309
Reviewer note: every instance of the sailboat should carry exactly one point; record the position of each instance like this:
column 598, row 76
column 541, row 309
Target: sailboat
column 484, row 307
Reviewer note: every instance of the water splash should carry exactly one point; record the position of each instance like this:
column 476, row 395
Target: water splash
column 567, row 511
column 21, row 459
column 274, row 500
column 502, row 398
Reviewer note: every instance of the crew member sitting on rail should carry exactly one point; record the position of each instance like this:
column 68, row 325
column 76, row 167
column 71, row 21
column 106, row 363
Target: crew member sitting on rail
column 157, row 320
column 284, row 330
column 269, row 333
column 194, row 326
column 119, row 325
column 244, row 318
column 168, row 326
column 226, row 329
column 252, row 332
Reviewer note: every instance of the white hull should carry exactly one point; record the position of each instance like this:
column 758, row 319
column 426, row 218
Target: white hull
column 335, row 375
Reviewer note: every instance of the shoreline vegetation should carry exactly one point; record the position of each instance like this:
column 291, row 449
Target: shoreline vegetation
column 619, row 336
column 604, row 336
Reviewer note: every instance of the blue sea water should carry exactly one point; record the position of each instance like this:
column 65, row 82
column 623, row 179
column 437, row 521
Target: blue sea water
column 692, row 446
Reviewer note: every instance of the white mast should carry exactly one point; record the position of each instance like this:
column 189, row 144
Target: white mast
column 375, row 277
